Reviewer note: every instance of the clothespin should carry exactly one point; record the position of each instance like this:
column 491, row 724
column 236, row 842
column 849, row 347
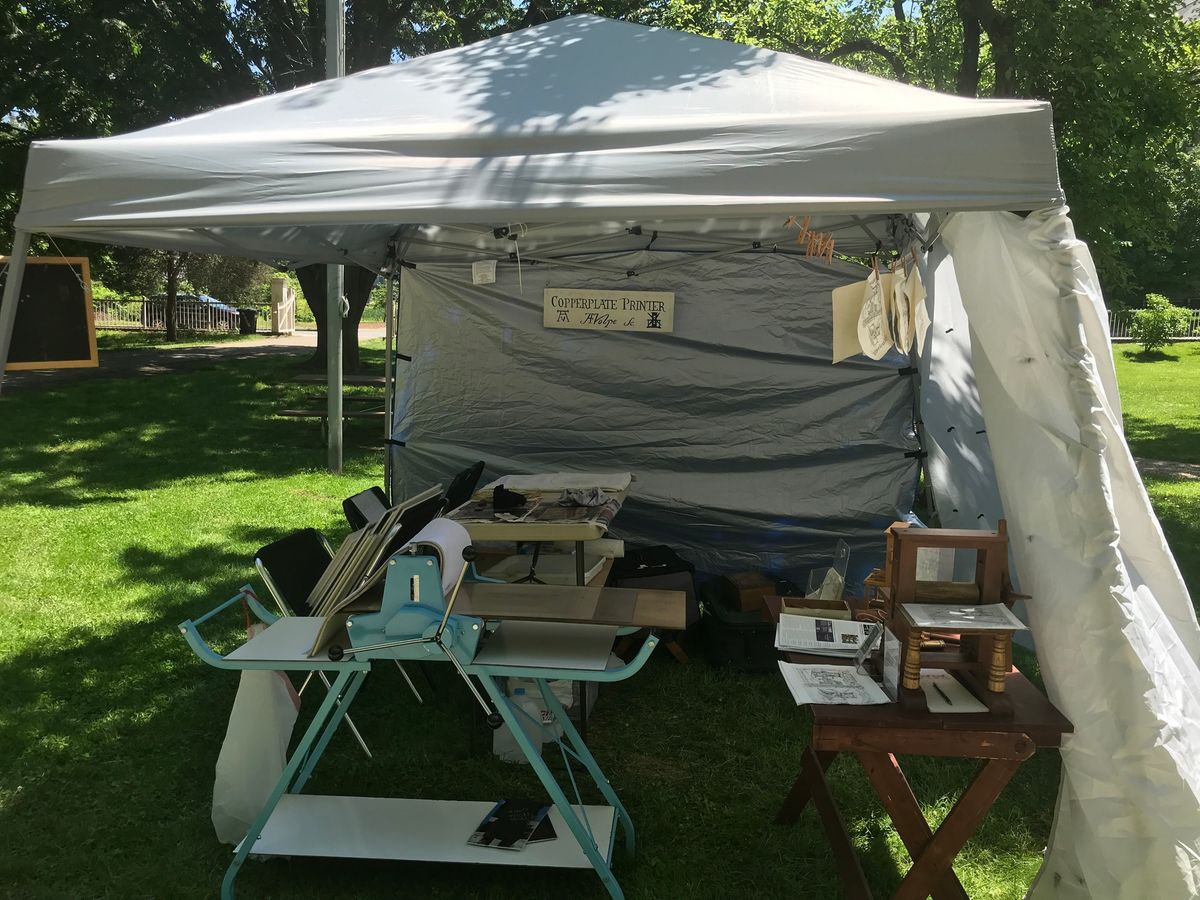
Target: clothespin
column 804, row 232
column 791, row 222
column 829, row 250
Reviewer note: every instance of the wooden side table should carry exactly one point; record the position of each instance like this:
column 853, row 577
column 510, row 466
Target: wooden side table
column 877, row 734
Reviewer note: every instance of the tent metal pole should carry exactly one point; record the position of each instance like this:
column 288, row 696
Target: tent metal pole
column 389, row 379
column 334, row 276
column 12, row 294
column 335, row 67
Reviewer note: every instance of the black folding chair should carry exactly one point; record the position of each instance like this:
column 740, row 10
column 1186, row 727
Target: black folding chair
column 462, row 486
column 291, row 567
column 365, row 507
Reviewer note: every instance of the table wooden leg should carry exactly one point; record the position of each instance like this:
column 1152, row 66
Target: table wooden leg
column 854, row 882
column 897, row 798
column 798, row 796
column 938, row 855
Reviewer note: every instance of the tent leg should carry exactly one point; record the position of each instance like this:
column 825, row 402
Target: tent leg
column 12, row 293
column 333, row 363
column 389, row 386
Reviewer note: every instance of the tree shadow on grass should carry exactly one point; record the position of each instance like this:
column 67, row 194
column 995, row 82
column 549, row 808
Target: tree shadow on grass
column 1150, row 356
column 1180, row 519
column 110, row 733
column 1151, row 439
column 94, row 441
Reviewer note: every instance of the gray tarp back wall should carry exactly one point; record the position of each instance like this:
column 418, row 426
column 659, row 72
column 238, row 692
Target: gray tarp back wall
column 750, row 449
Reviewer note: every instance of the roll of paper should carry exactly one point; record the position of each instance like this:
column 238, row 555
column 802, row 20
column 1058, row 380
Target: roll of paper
column 446, row 540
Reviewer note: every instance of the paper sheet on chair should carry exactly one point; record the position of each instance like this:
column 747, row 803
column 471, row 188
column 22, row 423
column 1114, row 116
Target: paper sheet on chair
column 830, row 684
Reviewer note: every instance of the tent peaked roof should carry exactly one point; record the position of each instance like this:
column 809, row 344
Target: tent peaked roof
column 581, row 119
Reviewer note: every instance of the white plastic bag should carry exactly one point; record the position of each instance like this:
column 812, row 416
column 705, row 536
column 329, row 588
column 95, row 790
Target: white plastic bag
column 255, row 749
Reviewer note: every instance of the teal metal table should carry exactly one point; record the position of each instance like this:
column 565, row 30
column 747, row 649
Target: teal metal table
column 294, row 824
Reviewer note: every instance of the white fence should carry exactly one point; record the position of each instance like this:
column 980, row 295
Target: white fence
column 190, row 315
column 1118, row 325
column 283, row 307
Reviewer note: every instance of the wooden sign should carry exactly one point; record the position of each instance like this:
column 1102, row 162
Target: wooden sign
column 54, row 326
column 648, row 311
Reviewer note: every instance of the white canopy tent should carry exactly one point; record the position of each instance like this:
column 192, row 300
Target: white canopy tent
column 585, row 128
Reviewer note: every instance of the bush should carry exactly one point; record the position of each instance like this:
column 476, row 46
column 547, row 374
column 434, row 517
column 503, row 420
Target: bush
column 1155, row 326
column 101, row 293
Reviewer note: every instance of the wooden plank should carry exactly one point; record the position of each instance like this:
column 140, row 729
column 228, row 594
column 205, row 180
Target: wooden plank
column 601, row 578
column 854, row 882
column 348, row 379
column 799, row 795
column 1033, row 716
column 968, row 812
column 897, row 798
column 948, row 537
column 322, row 413
column 980, row 744
column 346, row 398
column 571, row 603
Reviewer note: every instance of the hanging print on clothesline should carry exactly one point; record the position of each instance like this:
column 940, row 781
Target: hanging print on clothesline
column 884, row 312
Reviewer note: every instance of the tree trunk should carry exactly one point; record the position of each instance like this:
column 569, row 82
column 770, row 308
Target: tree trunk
column 978, row 17
column 968, row 69
column 172, row 304
column 358, row 284
column 1002, row 36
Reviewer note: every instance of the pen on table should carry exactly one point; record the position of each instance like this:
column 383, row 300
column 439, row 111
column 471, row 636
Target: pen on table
column 949, row 702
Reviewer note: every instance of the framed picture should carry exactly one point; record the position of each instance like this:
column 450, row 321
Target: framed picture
column 54, row 326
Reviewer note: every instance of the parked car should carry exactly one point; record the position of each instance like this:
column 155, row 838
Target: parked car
column 193, row 312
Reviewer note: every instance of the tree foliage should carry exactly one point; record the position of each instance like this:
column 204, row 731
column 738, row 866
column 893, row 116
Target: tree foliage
column 232, row 280
column 1122, row 76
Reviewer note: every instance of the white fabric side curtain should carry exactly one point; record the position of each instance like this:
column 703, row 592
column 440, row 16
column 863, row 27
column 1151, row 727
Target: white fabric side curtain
column 1115, row 630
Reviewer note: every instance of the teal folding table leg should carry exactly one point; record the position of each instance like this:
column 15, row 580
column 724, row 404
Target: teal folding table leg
column 580, row 751
column 582, row 832
column 320, row 725
column 335, row 720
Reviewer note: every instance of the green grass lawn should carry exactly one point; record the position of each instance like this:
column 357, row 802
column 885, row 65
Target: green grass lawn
column 123, row 512
column 1160, row 393
column 1161, row 396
